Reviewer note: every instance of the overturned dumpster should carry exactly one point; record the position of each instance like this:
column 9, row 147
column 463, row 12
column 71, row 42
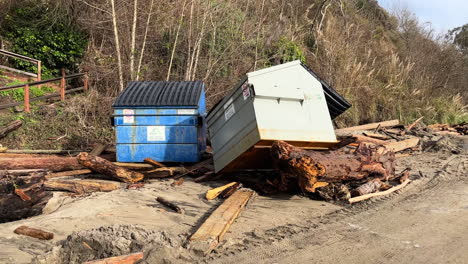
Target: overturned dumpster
column 288, row 102
column 160, row 120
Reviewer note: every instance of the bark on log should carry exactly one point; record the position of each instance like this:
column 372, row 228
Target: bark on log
column 82, row 186
column 106, row 167
column 371, row 195
column 12, row 206
column 304, row 169
column 51, row 163
column 33, row 232
column 369, row 187
column 229, row 191
column 10, row 127
column 213, row 193
column 20, row 172
column 68, row 173
column 171, row 205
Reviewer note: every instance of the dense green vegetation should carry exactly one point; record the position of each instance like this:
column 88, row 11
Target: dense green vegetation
column 33, row 30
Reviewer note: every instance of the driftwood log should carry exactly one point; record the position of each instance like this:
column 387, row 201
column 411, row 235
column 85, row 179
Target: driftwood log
column 82, row 186
column 49, row 163
column 22, row 196
column 4, row 131
column 169, row 204
column 108, row 168
column 33, row 232
column 310, row 169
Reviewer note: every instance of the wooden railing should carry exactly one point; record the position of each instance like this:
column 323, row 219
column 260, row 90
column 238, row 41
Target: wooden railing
column 24, row 58
column 62, row 92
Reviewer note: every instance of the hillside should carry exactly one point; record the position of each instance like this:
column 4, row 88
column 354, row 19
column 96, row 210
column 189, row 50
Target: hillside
column 387, row 66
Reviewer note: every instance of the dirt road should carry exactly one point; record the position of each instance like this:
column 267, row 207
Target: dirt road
column 426, row 223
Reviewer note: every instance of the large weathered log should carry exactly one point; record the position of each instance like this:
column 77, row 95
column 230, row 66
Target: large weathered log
column 33, row 232
column 22, row 197
column 305, row 169
column 49, row 163
column 82, row 186
column 106, row 167
column 4, row 131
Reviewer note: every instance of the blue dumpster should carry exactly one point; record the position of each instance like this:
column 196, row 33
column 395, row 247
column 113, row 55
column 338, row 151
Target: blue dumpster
column 164, row 121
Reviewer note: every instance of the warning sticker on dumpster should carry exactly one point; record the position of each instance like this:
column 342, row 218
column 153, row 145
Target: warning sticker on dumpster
column 228, row 113
column 129, row 117
column 156, row 133
column 245, row 91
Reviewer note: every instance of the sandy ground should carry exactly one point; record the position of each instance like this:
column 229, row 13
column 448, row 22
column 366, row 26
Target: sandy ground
column 426, row 222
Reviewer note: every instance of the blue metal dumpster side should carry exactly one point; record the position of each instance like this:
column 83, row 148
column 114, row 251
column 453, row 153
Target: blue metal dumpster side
column 163, row 133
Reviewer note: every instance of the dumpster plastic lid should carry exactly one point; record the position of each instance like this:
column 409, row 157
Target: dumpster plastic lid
column 160, row 93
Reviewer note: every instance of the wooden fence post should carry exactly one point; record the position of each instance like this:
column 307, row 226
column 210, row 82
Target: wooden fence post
column 86, row 82
column 39, row 71
column 62, row 86
column 26, row 99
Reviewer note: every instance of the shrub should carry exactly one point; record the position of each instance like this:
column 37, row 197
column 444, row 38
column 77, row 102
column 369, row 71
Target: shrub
column 35, row 32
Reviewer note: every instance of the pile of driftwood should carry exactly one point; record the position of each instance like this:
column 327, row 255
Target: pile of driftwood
column 360, row 166
column 27, row 180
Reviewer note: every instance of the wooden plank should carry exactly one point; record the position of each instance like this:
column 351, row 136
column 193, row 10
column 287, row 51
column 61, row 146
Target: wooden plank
column 212, row 231
column 377, row 136
column 98, row 149
column 371, row 195
column 134, row 165
column 389, row 123
column 125, row 259
column 18, row 71
column 402, row 145
column 364, row 139
column 68, row 173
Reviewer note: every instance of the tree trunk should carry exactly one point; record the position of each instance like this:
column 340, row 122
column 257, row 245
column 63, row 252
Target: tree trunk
column 10, row 127
column 52, row 163
column 82, row 186
column 133, row 44
column 106, row 167
column 307, row 169
column 143, row 46
column 117, row 45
